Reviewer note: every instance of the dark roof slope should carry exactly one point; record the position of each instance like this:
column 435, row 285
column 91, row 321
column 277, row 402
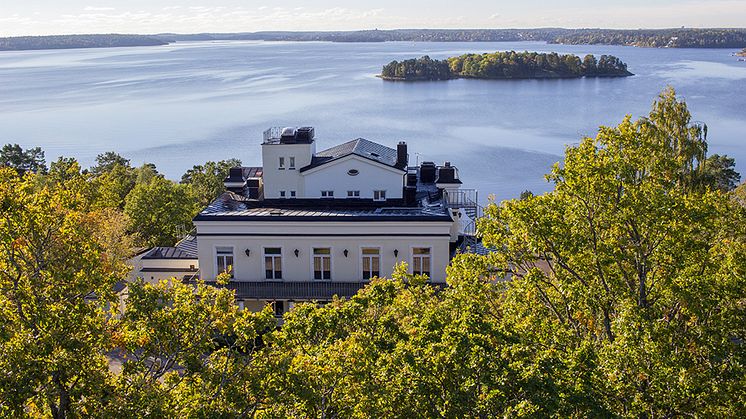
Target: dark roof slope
column 185, row 249
column 359, row 147
column 231, row 206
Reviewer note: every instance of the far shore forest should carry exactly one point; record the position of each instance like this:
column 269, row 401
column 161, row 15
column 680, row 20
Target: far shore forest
column 619, row 293
column 505, row 65
column 653, row 38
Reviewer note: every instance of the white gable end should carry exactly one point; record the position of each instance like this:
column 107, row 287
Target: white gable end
column 354, row 173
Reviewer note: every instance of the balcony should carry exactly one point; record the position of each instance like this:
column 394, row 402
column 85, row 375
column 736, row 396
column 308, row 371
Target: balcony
column 292, row 290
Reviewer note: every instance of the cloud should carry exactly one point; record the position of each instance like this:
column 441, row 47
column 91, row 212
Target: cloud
column 97, row 9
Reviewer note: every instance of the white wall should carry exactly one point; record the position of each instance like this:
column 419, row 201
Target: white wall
column 371, row 176
column 307, row 235
column 276, row 180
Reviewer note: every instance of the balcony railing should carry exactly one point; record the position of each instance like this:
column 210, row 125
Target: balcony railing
column 293, row 290
column 461, row 198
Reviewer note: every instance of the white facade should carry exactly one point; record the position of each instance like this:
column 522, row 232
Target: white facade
column 395, row 241
column 367, row 176
column 285, row 177
column 308, row 225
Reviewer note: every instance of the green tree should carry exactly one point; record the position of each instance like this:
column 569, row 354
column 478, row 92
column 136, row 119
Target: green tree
column 629, row 268
column 31, row 160
column 206, row 181
column 146, row 173
column 105, row 162
column 58, row 265
column 160, row 211
column 720, row 173
column 188, row 352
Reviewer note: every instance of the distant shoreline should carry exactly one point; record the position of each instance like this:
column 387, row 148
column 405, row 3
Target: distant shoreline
column 654, row 38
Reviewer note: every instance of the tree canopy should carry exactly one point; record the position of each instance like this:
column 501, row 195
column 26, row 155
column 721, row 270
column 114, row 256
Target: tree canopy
column 30, row 160
column 505, row 65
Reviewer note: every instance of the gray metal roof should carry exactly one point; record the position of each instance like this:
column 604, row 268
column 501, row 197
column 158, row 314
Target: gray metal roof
column 231, row 206
column 162, row 252
column 359, row 147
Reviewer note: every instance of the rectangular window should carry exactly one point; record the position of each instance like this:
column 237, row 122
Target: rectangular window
column 282, row 163
column 371, row 262
column 421, row 261
column 322, row 263
column 353, row 194
column 273, row 263
column 292, row 163
column 282, row 194
column 279, row 308
column 379, row 195
column 292, row 194
column 327, row 194
column 224, row 257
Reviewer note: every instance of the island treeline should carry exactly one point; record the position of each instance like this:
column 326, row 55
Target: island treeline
column 19, row 43
column 505, row 65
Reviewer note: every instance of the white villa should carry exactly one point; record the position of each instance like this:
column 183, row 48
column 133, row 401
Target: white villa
column 309, row 225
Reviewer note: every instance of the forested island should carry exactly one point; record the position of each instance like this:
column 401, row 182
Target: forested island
column 505, row 65
column 671, row 38
column 20, row 43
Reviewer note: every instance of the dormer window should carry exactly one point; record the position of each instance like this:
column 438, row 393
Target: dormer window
column 291, row 163
column 379, row 195
column 282, row 163
column 327, row 194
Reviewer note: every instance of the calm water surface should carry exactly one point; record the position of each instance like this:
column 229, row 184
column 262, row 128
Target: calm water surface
column 186, row 103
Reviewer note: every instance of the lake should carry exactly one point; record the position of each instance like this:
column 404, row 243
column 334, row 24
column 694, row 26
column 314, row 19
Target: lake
column 186, row 103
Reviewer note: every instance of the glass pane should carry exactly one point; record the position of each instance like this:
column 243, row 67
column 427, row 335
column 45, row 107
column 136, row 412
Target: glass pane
column 272, row 251
column 224, row 250
column 278, row 263
column 322, row 251
column 376, row 262
column 417, row 268
column 421, row 250
column 366, row 264
column 221, row 264
column 371, row 251
column 268, row 263
column 327, row 264
column 426, row 265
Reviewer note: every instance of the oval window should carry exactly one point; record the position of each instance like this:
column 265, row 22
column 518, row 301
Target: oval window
column 353, row 172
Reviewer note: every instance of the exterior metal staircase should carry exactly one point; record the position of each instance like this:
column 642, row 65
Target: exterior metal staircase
column 467, row 202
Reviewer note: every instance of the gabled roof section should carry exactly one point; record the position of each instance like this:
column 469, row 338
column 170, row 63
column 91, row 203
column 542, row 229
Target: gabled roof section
column 359, row 147
column 184, row 249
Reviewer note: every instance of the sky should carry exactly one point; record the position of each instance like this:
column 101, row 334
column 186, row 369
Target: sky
column 45, row 17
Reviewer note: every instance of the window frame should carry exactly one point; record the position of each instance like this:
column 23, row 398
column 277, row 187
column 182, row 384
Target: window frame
column 330, row 256
column 353, row 194
column 232, row 255
column 381, row 195
column 362, row 258
column 281, row 163
column 429, row 262
column 264, row 263
column 291, row 163
column 327, row 194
